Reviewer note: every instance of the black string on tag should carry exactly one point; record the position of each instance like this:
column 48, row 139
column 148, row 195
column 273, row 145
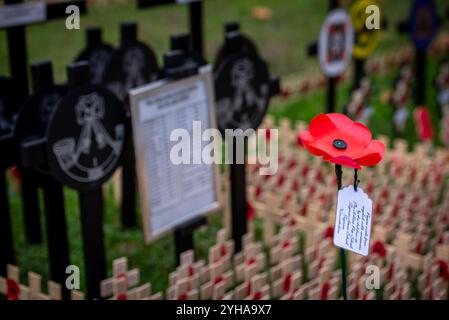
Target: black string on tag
column 338, row 173
column 356, row 180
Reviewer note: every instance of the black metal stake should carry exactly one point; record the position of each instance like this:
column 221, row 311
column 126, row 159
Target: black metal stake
column 57, row 239
column 239, row 206
column 359, row 72
column 128, row 34
column 56, row 226
column 91, row 210
column 420, row 72
column 196, row 26
column 18, row 62
column 128, row 213
column 184, row 236
column 338, row 173
column 331, row 94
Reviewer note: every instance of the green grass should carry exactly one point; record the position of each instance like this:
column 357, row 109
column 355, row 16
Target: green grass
column 282, row 42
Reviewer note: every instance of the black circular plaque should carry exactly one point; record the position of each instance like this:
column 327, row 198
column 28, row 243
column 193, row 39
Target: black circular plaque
column 242, row 92
column 98, row 57
column 85, row 137
column 34, row 115
column 246, row 46
column 130, row 66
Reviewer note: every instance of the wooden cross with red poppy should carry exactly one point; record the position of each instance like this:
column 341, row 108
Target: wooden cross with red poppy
column 219, row 292
column 223, row 249
column 256, row 288
column 285, row 277
column 221, row 278
column 250, row 260
column 121, row 280
column 11, row 287
column 407, row 258
column 218, row 273
column 285, row 244
column 186, row 280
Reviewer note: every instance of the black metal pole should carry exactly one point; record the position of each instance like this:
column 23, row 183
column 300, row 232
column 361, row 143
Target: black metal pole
column 238, row 198
column 18, row 62
column 331, row 94
column 57, row 239
column 91, row 210
column 128, row 34
column 6, row 238
column 196, row 26
column 338, row 173
column 56, row 227
column 359, row 72
column 30, row 202
column 420, row 72
column 184, row 236
column 128, row 214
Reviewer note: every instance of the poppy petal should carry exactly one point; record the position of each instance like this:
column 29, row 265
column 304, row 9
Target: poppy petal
column 324, row 124
column 361, row 133
column 373, row 154
column 307, row 139
column 346, row 162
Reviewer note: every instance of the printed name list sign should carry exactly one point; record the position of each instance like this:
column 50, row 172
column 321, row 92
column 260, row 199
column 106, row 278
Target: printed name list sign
column 173, row 193
column 353, row 220
column 19, row 14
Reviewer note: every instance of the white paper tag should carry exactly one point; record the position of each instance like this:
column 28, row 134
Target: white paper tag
column 13, row 15
column 353, row 220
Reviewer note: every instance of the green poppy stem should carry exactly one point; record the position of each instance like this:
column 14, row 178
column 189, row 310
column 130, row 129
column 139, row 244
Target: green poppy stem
column 338, row 173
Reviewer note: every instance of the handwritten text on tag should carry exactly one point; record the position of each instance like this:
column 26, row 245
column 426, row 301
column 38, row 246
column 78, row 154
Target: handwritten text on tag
column 353, row 220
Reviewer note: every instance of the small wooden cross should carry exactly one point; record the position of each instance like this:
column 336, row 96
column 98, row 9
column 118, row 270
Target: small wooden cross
column 407, row 258
column 286, row 277
column 121, row 280
column 11, row 286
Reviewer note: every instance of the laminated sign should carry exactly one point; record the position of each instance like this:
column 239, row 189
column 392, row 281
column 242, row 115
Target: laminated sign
column 173, row 193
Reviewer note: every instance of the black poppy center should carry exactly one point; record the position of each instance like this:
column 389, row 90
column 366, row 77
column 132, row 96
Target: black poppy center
column 339, row 144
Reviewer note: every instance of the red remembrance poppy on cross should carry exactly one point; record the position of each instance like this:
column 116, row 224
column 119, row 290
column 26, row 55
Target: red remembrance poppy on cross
column 13, row 290
column 339, row 140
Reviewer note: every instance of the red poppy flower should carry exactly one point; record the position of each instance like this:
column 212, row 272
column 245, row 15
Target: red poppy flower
column 250, row 212
column 423, row 124
column 287, row 282
column 325, row 291
column 13, row 290
column 329, row 233
column 122, row 297
column 339, row 140
column 444, row 270
column 379, row 248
